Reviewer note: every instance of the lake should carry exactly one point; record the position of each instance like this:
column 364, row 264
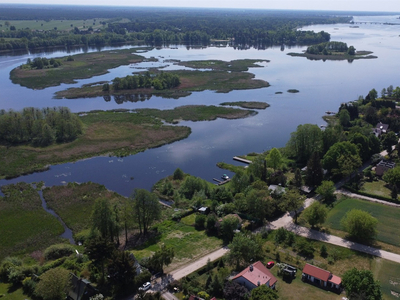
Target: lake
column 323, row 86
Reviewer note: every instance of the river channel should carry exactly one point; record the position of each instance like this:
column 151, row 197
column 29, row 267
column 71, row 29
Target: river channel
column 323, row 86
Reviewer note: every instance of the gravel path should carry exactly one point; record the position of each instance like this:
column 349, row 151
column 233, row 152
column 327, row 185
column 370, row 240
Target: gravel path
column 353, row 195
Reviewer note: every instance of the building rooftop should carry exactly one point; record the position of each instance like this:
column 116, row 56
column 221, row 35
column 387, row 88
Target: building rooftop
column 257, row 274
column 316, row 272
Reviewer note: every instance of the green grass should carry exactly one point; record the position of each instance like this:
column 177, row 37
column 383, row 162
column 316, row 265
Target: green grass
column 104, row 132
column 7, row 292
column 388, row 273
column 24, row 225
column 84, row 65
column 388, row 218
column 188, row 243
column 234, row 65
column 74, row 202
column 49, row 25
column 377, row 188
column 191, row 81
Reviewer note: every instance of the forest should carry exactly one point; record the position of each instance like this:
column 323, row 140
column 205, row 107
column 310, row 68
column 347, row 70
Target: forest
column 40, row 127
column 162, row 26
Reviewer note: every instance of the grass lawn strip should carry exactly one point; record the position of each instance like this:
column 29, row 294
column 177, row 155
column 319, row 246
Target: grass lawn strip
column 24, row 225
column 84, row 65
column 388, row 218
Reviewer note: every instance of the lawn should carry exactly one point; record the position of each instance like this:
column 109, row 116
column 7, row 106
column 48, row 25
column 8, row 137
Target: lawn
column 388, row 218
column 388, row 273
column 377, row 188
column 24, row 225
column 9, row 293
column 187, row 242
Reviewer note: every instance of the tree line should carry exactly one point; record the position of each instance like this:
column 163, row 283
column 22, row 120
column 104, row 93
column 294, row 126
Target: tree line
column 328, row 47
column 161, row 81
column 243, row 28
column 39, row 127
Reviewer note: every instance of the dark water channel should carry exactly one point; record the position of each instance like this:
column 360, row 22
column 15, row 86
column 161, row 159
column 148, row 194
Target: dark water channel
column 323, row 86
column 67, row 232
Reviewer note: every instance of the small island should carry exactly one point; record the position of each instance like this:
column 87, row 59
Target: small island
column 218, row 76
column 334, row 51
column 38, row 74
column 247, row 104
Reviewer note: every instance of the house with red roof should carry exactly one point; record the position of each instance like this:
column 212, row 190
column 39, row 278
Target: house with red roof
column 321, row 277
column 255, row 275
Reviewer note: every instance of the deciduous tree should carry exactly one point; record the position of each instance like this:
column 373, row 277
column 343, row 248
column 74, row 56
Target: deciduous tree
column 53, row 284
column 146, row 209
column 360, row 224
column 360, row 284
column 316, row 214
column 327, row 190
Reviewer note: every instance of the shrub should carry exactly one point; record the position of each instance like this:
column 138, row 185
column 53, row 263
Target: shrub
column 58, row 251
column 324, row 252
column 200, row 221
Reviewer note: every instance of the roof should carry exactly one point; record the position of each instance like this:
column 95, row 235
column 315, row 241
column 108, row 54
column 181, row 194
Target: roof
column 316, row 272
column 335, row 279
column 258, row 276
column 382, row 126
column 386, row 164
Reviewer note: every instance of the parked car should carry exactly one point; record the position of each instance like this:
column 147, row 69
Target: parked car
column 145, row 286
column 270, row 264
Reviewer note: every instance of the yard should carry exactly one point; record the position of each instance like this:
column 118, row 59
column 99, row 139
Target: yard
column 187, row 242
column 377, row 188
column 388, row 218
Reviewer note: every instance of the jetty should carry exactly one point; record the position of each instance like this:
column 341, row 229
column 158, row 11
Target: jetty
column 221, row 182
column 246, row 161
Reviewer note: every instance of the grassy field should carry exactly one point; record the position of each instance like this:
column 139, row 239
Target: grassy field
column 84, row 65
column 105, row 132
column 64, row 25
column 187, row 242
column 216, row 80
column 74, row 202
column 8, row 292
column 238, row 65
column 388, row 273
column 377, row 188
column 24, row 225
column 388, row 218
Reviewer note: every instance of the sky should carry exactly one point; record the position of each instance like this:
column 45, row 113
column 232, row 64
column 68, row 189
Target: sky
column 342, row 5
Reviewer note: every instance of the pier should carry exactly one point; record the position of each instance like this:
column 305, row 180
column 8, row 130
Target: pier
column 220, row 182
column 246, row 161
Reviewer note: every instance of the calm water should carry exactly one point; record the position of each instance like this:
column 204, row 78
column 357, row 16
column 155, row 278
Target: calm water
column 323, row 86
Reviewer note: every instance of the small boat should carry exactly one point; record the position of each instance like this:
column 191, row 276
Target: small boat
column 225, row 177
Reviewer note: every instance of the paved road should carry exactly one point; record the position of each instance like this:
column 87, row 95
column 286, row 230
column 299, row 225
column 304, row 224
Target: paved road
column 352, row 195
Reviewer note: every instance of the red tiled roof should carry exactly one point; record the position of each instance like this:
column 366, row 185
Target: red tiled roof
column 316, row 272
column 335, row 279
column 260, row 274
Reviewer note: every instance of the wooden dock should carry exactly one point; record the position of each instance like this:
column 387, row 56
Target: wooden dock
column 220, row 182
column 246, row 161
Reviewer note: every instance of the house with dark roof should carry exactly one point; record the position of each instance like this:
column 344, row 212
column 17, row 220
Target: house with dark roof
column 380, row 128
column 383, row 166
column 321, row 277
column 255, row 275
column 81, row 289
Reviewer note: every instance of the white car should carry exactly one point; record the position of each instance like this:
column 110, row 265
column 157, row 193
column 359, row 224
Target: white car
column 145, row 286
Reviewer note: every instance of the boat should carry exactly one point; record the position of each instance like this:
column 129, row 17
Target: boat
column 225, row 177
